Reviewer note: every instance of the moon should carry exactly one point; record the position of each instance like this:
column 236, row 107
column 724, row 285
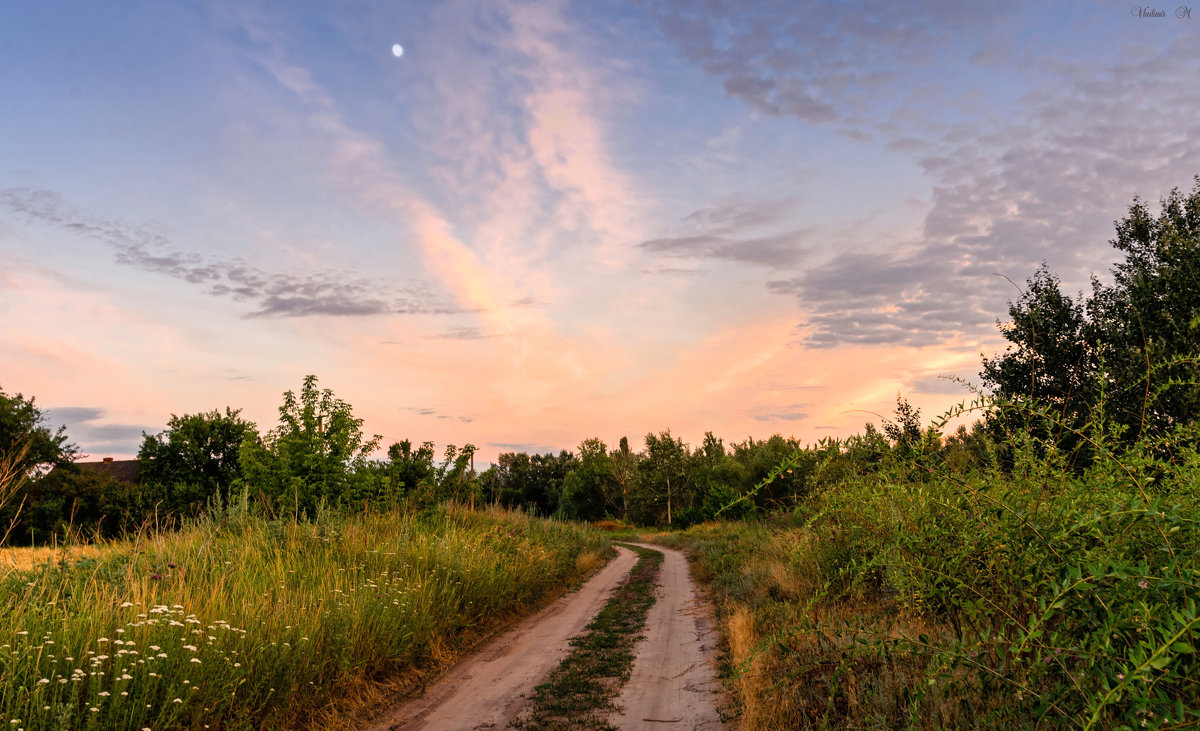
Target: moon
column 397, row 50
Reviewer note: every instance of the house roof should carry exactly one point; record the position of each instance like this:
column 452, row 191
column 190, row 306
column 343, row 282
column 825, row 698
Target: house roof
column 122, row 470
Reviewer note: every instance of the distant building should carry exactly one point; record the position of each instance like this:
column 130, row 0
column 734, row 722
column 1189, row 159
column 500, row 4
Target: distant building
column 121, row 470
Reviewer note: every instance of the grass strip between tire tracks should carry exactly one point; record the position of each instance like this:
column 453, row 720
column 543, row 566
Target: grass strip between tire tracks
column 580, row 692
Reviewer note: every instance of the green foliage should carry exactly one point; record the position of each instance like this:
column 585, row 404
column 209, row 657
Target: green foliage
column 590, row 489
column 664, row 481
column 193, row 460
column 960, row 592
column 23, row 432
column 1072, row 356
column 531, row 482
column 311, row 458
column 70, row 499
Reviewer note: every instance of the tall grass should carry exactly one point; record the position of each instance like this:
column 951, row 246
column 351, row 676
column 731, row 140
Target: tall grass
column 244, row 623
column 919, row 595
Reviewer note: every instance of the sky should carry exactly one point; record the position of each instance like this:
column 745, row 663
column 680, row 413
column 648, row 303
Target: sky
column 546, row 221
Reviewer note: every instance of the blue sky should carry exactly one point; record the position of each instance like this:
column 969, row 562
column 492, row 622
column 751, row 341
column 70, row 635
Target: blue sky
column 553, row 220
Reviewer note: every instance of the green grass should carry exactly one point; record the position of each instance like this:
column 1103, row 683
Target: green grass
column 244, row 623
column 914, row 595
column 579, row 693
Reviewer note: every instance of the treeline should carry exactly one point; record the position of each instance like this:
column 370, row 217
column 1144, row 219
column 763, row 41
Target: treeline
column 318, row 458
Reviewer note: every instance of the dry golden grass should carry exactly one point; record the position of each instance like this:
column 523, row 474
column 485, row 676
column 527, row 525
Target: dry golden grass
column 27, row 558
column 750, row 682
column 589, row 562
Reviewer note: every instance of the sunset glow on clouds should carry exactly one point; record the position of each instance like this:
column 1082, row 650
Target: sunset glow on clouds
column 548, row 221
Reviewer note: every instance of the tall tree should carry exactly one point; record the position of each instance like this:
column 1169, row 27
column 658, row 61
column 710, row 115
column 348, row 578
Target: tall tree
column 408, row 467
column 1132, row 343
column 591, row 487
column 664, row 479
column 625, row 462
column 1052, row 357
column 196, row 457
column 311, row 456
column 1151, row 314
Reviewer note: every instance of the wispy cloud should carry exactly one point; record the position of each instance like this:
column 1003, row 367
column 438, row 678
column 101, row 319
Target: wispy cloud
column 429, row 411
column 466, row 333
column 773, row 251
column 85, row 427
column 143, row 246
column 738, row 230
column 793, row 412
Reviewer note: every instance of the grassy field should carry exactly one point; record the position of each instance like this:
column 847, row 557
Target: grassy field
column 918, row 597
column 244, row 623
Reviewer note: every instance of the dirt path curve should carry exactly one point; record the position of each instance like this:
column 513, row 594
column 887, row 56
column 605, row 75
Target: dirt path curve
column 484, row 690
column 674, row 683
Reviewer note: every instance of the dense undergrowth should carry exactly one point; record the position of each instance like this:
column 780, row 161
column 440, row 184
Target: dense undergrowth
column 1027, row 592
column 239, row 622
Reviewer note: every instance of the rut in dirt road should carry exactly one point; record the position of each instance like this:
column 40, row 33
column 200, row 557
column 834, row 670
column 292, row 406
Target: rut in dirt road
column 674, row 683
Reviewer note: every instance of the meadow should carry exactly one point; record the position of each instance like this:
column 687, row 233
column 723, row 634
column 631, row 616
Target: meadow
column 914, row 590
column 237, row 621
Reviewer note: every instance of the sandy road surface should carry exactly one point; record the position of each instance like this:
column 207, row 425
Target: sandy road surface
column 484, row 690
column 673, row 686
column 674, row 683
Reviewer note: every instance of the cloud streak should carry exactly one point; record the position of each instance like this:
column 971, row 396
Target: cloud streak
column 142, row 247
column 732, row 230
column 84, row 426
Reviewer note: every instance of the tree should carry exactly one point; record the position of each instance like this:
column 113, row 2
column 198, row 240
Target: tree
column 534, row 483
column 591, row 487
column 195, row 458
column 1130, row 347
column 310, row 458
column 718, row 479
column 758, row 459
column 904, row 431
column 26, row 443
column 625, row 469
column 1151, row 315
column 408, row 467
column 664, row 484
column 1052, row 359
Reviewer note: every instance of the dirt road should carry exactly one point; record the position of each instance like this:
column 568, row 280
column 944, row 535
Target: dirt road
column 484, row 690
column 674, row 684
